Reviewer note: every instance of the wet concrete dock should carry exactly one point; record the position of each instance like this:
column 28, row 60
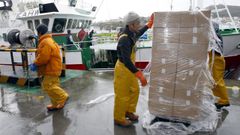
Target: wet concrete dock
column 23, row 110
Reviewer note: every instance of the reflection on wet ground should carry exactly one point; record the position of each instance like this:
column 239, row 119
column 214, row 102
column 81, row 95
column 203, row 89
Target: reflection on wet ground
column 89, row 110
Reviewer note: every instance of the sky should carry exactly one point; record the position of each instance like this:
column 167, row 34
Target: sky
column 113, row 9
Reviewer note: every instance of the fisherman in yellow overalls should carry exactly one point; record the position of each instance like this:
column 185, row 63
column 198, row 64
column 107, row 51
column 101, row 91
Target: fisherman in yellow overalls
column 217, row 67
column 126, row 75
column 49, row 65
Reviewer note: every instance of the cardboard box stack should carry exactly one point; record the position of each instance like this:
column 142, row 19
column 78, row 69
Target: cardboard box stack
column 179, row 54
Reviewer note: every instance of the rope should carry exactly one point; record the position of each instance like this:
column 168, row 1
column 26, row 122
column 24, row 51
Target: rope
column 99, row 8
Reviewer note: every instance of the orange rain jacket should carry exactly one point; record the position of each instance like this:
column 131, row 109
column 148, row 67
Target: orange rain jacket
column 48, row 58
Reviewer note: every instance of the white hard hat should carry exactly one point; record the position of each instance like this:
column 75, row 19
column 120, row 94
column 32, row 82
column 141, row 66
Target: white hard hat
column 131, row 17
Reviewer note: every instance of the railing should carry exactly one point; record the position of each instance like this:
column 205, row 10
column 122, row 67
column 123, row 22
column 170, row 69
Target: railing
column 228, row 12
column 95, row 41
column 25, row 62
column 103, row 40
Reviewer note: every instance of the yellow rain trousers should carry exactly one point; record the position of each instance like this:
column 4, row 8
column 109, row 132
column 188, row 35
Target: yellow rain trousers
column 218, row 68
column 51, row 86
column 126, row 90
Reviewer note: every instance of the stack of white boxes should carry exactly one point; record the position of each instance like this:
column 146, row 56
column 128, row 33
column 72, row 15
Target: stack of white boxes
column 179, row 54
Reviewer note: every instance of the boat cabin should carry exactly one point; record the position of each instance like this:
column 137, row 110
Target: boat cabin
column 58, row 18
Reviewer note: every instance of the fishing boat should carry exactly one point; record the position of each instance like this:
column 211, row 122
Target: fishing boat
column 229, row 29
column 230, row 32
column 100, row 53
column 59, row 18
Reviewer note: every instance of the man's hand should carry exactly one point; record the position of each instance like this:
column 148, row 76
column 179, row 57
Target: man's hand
column 150, row 21
column 141, row 77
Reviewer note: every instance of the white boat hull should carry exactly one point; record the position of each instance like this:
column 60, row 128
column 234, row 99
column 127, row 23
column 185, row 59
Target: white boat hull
column 73, row 59
column 230, row 44
column 143, row 55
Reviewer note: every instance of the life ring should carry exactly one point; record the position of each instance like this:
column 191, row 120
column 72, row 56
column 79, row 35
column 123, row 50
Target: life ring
column 58, row 27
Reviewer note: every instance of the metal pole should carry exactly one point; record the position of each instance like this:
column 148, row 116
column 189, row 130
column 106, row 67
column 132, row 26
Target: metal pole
column 13, row 63
column 63, row 74
column 24, row 60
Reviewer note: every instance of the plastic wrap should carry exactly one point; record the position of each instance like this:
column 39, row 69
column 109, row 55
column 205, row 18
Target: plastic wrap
column 180, row 81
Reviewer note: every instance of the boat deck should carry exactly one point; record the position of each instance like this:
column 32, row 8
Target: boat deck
column 89, row 110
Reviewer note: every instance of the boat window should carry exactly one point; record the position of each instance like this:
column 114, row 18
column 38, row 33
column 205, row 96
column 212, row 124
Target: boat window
column 30, row 25
column 80, row 22
column 74, row 24
column 45, row 21
column 59, row 25
column 89, row 23
column 85, row 24
column 69, row 23
column 36, row 22
column 77, row 25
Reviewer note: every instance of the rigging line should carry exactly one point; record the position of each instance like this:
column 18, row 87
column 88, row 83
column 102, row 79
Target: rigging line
column 190, row 5
column 99, row 8
column 216, row 9
column 171, row 5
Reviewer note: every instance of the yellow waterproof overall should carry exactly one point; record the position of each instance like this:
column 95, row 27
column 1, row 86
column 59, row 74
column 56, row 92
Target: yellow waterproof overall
column 51, row 86
column 126, row 89
column 218, row 68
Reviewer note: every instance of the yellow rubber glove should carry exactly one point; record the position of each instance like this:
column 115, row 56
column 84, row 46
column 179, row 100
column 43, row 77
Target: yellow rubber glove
column 141, row 77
